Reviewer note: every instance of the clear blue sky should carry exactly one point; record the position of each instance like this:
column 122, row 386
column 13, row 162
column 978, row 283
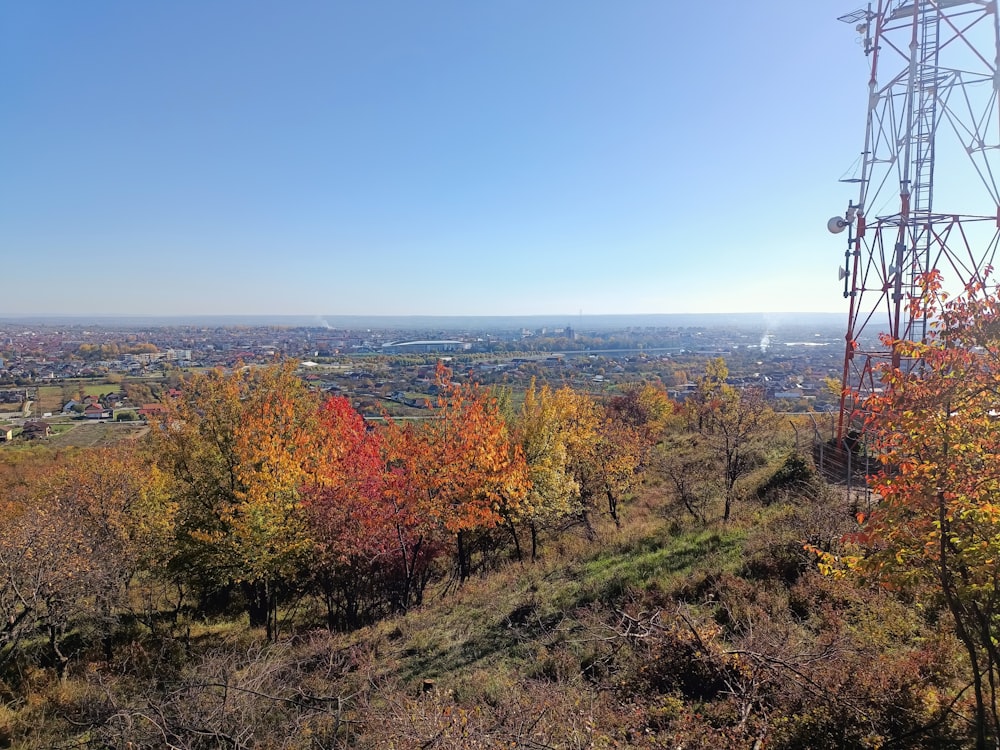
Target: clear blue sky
column 467, row 157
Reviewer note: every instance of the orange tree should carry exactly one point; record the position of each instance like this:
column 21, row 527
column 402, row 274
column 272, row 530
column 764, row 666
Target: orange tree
column 459, row 472
column 936, row 529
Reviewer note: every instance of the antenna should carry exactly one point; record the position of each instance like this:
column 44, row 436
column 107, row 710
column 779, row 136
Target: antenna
column 930, row 156
column 837, row 224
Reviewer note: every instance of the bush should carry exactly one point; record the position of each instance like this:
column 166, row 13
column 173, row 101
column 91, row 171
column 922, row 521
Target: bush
column 794, row 479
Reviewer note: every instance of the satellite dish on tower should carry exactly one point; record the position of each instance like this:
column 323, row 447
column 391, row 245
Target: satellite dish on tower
column 837, row 224
column 841, row 274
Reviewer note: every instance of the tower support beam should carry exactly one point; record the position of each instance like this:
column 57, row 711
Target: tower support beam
column 927, row 192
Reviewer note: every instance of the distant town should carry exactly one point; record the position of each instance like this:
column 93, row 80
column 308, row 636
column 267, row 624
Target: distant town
column 54, row 377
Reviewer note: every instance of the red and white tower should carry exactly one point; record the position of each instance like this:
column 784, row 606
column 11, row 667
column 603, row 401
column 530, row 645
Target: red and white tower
column 927, row 177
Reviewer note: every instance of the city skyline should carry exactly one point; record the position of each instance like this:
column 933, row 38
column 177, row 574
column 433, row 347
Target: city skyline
column 450, row 159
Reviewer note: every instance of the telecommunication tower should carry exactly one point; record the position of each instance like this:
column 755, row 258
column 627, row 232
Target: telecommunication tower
column 927, row 177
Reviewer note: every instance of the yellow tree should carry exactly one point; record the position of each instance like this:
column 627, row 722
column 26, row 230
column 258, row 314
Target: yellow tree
column 579, row 420
column 238, row 448
column 543, row 430
column 596, row 452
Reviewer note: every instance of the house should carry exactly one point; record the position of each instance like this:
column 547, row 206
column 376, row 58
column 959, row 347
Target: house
column 6, row 433
column 152, row 410
column 94, row 410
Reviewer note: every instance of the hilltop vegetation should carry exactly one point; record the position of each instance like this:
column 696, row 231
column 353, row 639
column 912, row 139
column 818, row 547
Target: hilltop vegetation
column 262, row 570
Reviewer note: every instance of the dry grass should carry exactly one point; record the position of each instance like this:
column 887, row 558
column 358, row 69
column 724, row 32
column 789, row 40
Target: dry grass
column 94, row 434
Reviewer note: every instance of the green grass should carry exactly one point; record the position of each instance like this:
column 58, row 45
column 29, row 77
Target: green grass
column 534, row 617
column 655, row 560
column 97, row 389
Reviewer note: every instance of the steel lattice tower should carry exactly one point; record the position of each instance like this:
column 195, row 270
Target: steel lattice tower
column 927, row 177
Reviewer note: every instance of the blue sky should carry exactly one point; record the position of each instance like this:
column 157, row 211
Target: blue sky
column 454, row 158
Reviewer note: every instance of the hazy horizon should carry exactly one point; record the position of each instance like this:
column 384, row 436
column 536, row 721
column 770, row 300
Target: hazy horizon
column 445, row 322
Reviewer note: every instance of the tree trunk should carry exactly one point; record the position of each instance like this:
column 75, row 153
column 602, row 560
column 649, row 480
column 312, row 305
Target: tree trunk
column 258, row 604
column 517, row 541
column 329, row 599
column 464, row 568
column 59, row 659
column 957, row 610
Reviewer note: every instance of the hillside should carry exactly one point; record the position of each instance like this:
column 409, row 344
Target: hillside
column 661, row 633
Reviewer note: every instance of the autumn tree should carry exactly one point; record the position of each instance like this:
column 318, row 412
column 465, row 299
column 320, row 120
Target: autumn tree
column 580, row 421
column 116, row 499
column 645, row 408
column 418, row 535
column 689, row 471
column 633, row 422
column 72, row 538
column 354, row 525
column 581, row 453
column 238, row 448
column 617, row 461
column 733, row 425
column 936, row 529
column 46, row 566
column 463, row 470
column 544, row 428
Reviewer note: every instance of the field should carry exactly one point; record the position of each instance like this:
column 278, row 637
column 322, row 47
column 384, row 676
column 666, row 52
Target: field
column 91, row 434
